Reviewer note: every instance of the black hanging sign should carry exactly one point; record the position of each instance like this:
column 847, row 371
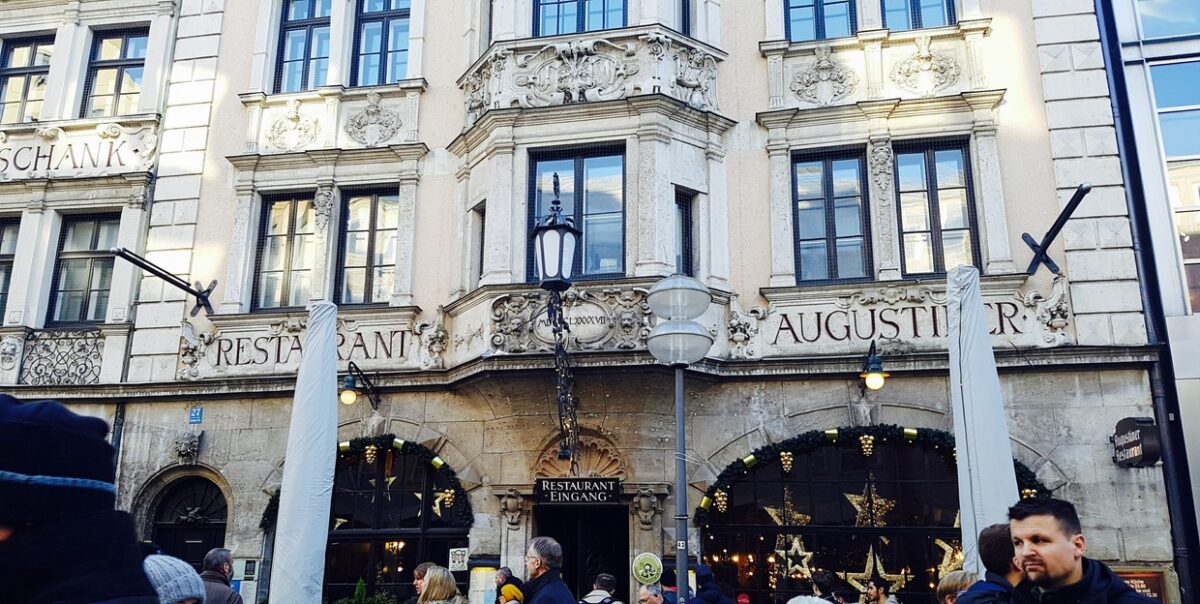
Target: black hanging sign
column 1136, row 443
column 577, row 491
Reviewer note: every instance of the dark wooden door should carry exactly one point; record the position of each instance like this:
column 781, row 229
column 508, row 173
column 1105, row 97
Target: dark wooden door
column 594, row 540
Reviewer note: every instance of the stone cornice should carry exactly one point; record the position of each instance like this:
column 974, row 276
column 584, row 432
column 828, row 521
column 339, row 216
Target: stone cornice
column 253, row 166
column 964, row 103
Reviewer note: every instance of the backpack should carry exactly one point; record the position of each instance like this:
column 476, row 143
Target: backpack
column 607, row 600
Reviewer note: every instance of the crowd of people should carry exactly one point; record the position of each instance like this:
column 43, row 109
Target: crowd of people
column 62, row 542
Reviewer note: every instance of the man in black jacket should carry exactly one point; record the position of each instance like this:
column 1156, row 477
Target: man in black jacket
column 707, row 590
column 545, row 585
column 61, row 541
column 218, row 571
column 998, row 558
column 1050, row 547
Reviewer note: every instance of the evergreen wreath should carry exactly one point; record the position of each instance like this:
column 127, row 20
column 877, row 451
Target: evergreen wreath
column 939, row 441
column 463, row 515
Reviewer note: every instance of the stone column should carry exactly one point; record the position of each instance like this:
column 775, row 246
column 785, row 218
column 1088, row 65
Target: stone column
column 654, row 219
column 970, row 10
column 262, row 62
column 783, row 257
column 883, row 217
column 238, row 277
column 416, row 40
column 125, row 275
column 654, row 12
column 66, row 68
column 974, row 32
column 325, row 203
column 461, row 278
column 714, row 243
column 775, row 84
column 499, row 250
column 402, row 295
column 341, row 42
column 158, row 57
column 989, row 184
column 708, row 21
column 515, row 530
column 504, row 19
column 870, row 15
column 873, row 61
column 773, row 11
column 37, row 245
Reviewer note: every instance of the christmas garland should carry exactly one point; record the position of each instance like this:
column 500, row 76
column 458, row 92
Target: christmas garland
column 863, row 438
column 463, row 515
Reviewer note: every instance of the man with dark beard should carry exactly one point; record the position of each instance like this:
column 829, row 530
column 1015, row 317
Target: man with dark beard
column 1049, row 545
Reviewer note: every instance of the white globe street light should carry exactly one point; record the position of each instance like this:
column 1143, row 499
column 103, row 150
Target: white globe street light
column 678, row 340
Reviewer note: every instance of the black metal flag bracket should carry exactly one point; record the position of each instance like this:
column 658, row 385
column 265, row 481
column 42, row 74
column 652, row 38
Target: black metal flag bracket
column 200, row 294
column 1041, row 251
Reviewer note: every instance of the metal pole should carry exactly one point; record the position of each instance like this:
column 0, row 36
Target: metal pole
column 681, row 516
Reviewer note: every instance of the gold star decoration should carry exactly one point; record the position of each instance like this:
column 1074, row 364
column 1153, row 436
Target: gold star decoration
column 952, row 557
column 387, row 487
column 870, row 506
column 874, row 567
column 793, row 552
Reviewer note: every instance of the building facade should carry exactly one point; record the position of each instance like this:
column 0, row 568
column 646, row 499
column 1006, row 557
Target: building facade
column 819, row 164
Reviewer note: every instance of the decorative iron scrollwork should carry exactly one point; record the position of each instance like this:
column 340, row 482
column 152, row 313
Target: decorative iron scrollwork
column 62, row 357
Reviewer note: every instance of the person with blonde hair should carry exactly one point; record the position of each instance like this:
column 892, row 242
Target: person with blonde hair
column 440, row 588
column 953, row 584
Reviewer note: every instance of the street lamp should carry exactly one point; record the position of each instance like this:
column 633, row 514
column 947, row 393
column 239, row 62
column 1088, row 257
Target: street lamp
column 678, row 340
column 350, row 391
column 554, row 242
column 873, row 374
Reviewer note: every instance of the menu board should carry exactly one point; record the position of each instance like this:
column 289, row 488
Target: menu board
column 1149, row 583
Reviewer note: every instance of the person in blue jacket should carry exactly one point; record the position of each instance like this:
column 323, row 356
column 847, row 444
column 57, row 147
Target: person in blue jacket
column 707, row 590
column 1002, row 576
column 1049, row 545
column 543, row 561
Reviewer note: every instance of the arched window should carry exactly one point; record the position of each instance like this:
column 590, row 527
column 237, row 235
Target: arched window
column 862, row 502
column 189, row 519
column 395, row 504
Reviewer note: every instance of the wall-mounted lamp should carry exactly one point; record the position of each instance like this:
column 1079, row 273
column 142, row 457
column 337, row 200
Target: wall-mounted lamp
column 873, row 374
column 350, row 391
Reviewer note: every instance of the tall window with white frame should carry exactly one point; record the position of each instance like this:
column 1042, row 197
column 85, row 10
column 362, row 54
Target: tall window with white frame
column 286, row 253
column 902, row 15
column 1177, row 98
column 8, row 252
column 303, row 45
column 557, row 17
column 114, row 79
column 807, row 20
column 592, row 191
column 83, row 273
column 830, row 222
column 24, row 67
column 368, row 250
column 381, row 42
column 936, row 208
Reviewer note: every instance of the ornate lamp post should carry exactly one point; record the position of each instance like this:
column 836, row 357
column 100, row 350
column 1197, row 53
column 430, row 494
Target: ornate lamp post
column 679, row 341
column 554, row 242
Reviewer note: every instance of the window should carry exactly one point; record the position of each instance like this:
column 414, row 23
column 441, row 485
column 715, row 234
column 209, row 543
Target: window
column 24, row 67
column 286, row 253
column 114, row 79
column 8, row 249
column 937, row 209
column 303, row 45
column 1163, row 18
column 685, row 17
column 684, row 259
column 368, row 251
column 819, row 19
column 899, row 15
column 391, row 510
column 479, row 216
column 593, row 195
column 381, row 42
column 555, row 17
column 830, row 223
column 1178, row 102
column 83, row 275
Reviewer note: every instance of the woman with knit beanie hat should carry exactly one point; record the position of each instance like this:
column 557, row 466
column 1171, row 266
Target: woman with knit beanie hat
column 175, row 580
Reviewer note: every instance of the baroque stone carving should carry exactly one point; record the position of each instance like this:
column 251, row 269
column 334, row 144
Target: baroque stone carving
column 48, row 133
column 62, row 357
column 1051, row 314
column 511, row 508
column 323, row 208
column 10, row 348
column 192, row 349
column 926, row 72
column 607, row 319
column 645, row 507
column 293, row 131
column 695, row 78
column 576, row 72
column 373, row 124
column 290, row 325
column 743, row 330
column 891, row 296
column 880, row 162
column 187, row 447
column 434, row 339
column 598, row 458
column 862, row 411
column 824, row 81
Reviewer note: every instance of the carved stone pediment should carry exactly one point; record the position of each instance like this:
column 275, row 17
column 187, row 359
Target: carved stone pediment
column 598, row 458
column 293, row 131
column 373, row 125
column 606, row 319
column 925, row 72
column 824, row 81
column 576, row 72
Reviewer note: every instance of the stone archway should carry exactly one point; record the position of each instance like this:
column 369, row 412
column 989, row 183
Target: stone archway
column 599, row 457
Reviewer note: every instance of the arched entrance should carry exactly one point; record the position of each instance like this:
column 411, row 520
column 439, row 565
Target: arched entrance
column 189, row 519
column 395, row 505
column 862, row 502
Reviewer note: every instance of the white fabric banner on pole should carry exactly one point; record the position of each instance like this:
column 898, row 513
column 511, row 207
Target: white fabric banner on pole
column 987, row 482
column 303, row 528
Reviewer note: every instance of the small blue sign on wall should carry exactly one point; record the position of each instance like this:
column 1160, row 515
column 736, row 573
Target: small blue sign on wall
column 196, row 415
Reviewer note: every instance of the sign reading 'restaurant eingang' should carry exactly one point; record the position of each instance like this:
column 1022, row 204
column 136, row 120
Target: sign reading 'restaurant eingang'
column 579, row 491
